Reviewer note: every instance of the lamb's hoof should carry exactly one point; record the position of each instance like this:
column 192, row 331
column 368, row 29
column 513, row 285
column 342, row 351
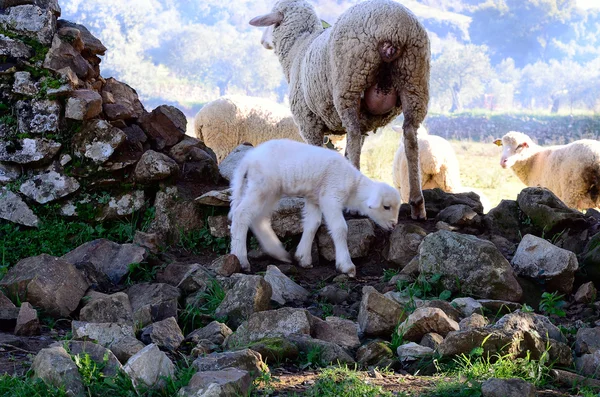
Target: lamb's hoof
column 284, row 257
column 348, row 269
column 304, row 261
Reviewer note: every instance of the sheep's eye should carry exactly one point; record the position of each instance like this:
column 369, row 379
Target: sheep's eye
column 519, row 147
column 386, row 207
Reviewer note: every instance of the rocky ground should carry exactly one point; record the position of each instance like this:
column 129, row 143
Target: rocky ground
column 115, row 279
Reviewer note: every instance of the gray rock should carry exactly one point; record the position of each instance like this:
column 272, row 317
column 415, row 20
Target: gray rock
column 216, row 198
column 283, row 288
column 8, row 318
column 444, row 306
column 504, row 220
column 149, row 241
column 153, row 302
column 507, row 388
column 31, row 21
column 538, row 259
column 154, row 166
column 125, row 348
column 287, row 217
column 14, row 209
column 5, row 302
column 12, row 48
column 375, row 353
column 149, row 367
column 538, row 324
column 28, row 323
column 499, row 306
column 165, row 334
column 49, row 187
column 24, row 85
column 458, row 215
column 181, row 151
column 113, row 308
column 275, row 350
column 468, row 265
column 91, row 45
column 38, row 116
column 587, row 340
column 108, row 364
column 105, row 334
column 28, row 151
column 361, row 235
column 412, row 352
column 97, row 141
column 228, row 165
column 83, row 105
column 589, row 365
column 165, row 125
column 121, row 102
column 9, row 173
column 467, row 306
column 432, row 340
column 173, row 214
column 586, row 293
column 107, row 257
column 215, row 332
column 219, row 226
column 62, row 55
column 329, row 352
column 378, row 315
column 226, row 265
column 425, row 320
column 246, row 360
column 249, row 295
column 123, row 205
column 436, row 200
column 223, row 383
column 196, row 279
column 55, row 367
column 337, row 330
column 46, row 282
column 333, row 294
column 274, row 323
column 475, row 320
column 404, row 244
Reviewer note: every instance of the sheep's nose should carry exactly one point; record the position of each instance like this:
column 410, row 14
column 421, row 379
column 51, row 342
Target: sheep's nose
column 503, row 163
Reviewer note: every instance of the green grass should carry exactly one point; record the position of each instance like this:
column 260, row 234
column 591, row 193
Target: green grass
column 343, row 382
column 454, row 389
column 313, row 358
column 194, row 314
column 196, row 241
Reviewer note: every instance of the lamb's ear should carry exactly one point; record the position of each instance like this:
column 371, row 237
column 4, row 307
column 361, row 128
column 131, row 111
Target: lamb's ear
column 498, row 142
column 267, row 19
column 374, row 200
column 397, row 128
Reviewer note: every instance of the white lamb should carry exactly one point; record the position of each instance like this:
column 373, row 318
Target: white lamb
column 327, row 181
column 572, row 171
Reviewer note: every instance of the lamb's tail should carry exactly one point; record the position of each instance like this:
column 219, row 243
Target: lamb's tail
column 239, row 182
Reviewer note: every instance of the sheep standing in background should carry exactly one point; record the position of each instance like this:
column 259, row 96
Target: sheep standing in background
column 231, row 120
column 372, row 65
column 328, row 183
column 572, row 171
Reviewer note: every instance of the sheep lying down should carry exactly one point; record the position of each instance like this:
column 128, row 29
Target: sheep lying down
column 572, row 171
column 327, row 181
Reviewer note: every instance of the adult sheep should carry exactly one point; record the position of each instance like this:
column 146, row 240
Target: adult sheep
column 372, row 65
column 231, row 120
column 572, row 171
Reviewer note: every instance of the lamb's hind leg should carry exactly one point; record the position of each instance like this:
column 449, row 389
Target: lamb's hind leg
column 242, row 217
column 310, row 222
column 263, row 231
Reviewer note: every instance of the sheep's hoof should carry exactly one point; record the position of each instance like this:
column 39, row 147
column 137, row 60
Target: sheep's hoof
column 417, row 210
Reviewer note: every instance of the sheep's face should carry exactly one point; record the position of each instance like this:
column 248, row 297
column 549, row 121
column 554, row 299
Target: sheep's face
column 383, row 206
column 515, row 147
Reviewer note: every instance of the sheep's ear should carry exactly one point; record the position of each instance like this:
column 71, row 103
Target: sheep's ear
column 374, row 200
column 397, row 128
column 498, row 142
column 325, row 24
column 267, row 19
column 524, row 145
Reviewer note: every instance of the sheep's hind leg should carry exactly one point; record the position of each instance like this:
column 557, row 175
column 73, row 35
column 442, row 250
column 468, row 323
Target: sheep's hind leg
column 338, row 229
column 351, row 123
column 263, row 231
column 241, row 218
column 411, row 145
column 310, row 222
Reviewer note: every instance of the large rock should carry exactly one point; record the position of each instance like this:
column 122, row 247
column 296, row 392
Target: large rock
column 166, row 125
column 62, row 55
column 404, row 243
column 538, row 259
column 284, row 289
column 377, row 314
column 468, row 265
column 329, row 352
column 475, row 320
column 121, row 102
column 107, row 363
column 508, row 388
column 24, row 85
column 459, row 215
column 274, row 323
column 154, row 166
column 226, row 382
column 215, row 332
column 425, row 320
column 287, row 217
column 250, row 294
column 547, row 212
column 246, row 360
column 49, row 283
column 436, row 200
column 590, row 259
column 91, row 45
column 467, row 306
column 149, row 367
column 38, row 117
column 215, row 198
column 126, row 347
column 412, row 352
column 588, row 365
column 113, row 308
column 361, row 235
column 227, row 265
column 123, row 205
column 196, row 279
column 153, row 302
column 375, row 353
column 504, row 220
column 49, row 187
column 174, row 214
column 165, row 334
column 97, row 141
column 107, row 257
column 106, row 334
column 28, row 323
column 586, row 293
column 29, row 151
column 337, row 330
column 12, row 48
column 83, row 105
column 31, row 21
column 228, row 165
column 536, row 323
column 14, row 209
column 587, row 340
column 9, row 173
column 55, row 367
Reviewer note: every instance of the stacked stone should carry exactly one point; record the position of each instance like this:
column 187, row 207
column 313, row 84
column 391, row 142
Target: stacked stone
column 67, row 132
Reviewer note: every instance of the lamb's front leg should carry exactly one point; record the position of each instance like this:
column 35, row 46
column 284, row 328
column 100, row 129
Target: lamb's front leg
column 310, row 222
column 338, row 229
column 411, row 148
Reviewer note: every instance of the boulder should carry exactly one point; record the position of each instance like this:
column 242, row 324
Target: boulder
column 361, row 235
column 55, row 367
column 165, row 334
column 587, row 340
column 504, row 220
column 14, row 209
column 165, row 125
column 12, row 48
column 337, row 330
column 333, row 294
column 375, row 353
column 229, row 164
column 29, row 151
column 28, row 323
column 588, row 364
column 467, row 306
column 468, row 265
column 287, row 217
column 226, row 382
column 196, row 279
column 432, row 340
column 149, row 367
column 113, row 308
column 107, row 363
column 24, row 85
column 62, row 55
column 586, row 293
column 436, row 200
column 97, row 141
column 9, row 173
column 404, row 243
column 425, row 320
column 246, row 360
column 475, row 320
column 507, row 388
column 46, row 282
column 174, row 214
column 123, row 205
column 378, row 315
column 459, row 215
column 181, row 151
column 283, row 288
column 121, row 102
column 215, row 332
column 31, row 21
column 275, row 350
column 413, row 352
column 540, row 260
column 48, row 187
column 106, row 334
column 216, row 198
column 83, row 105
column 154, row 166
column 250, row 294
column 107, row 257
column 329, row 352
column 153, row 302
column 91, row 45
column 227, row 265
column 126, row 347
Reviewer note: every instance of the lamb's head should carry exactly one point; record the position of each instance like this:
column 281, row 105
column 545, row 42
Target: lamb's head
column 287, row 19
column 516, row 146
column 383, row 205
